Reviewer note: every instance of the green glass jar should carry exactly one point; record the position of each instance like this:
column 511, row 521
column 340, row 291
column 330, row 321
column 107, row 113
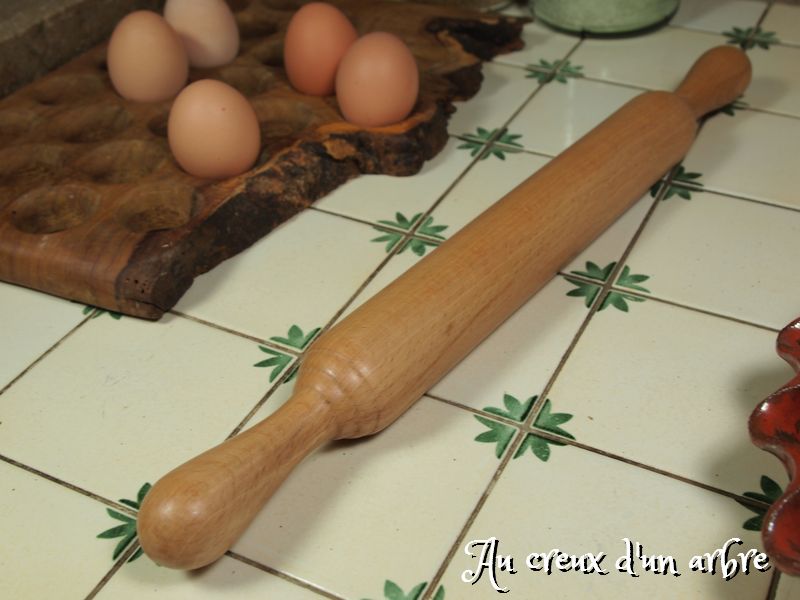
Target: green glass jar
column 604, row 16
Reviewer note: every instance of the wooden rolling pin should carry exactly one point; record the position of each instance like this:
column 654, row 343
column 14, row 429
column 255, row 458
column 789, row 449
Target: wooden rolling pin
column 362, row 374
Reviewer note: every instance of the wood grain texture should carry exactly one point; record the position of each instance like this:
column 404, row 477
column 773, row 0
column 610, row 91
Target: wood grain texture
column 775, row 427
column 362, row 374
column 94, row 208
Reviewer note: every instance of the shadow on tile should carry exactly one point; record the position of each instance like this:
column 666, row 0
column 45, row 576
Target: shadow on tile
column 770, row 90
column 753, row 387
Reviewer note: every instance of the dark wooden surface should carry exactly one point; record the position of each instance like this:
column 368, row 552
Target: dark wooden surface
column 93, row 207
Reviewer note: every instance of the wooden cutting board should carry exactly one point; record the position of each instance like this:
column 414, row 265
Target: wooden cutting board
column 94, row 208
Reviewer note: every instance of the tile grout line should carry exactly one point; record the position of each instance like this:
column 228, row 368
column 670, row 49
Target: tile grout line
column 644, row 466
column 117, row 566
column 240, row 334
column 474, row 411
column 764, row 13
column 735, row 196
column 533, row 414
column 532, row 429
column 354, row 219
column 65, row 484
column 703, row 311
column 504, row 461
column 772, row 591
column 634, row 86
column 674, row 303
column 285, row 576
column 41, row 357
column 285, row 376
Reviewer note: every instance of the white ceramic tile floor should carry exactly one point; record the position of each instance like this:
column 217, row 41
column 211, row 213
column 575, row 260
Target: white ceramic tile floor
column 503, row 91
column 785, row 22
column 561, row 113
column 749, row 155
column 657, row 60
column 723, row 254
column 718, row 15
column 774, row 87
column 668, row 380
column 30, row 323
column 273, row 286
column 580, row 502
column 122, row 402
column 227, row 578
column 788, row 588
column 541, row 42
column 49, row 548
column 378, row 197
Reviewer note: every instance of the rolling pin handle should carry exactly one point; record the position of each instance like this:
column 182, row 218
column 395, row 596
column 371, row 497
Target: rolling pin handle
column 715, row 80
column 197, row 511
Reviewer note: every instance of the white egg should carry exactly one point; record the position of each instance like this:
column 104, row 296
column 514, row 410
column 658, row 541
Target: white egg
column 208, row 30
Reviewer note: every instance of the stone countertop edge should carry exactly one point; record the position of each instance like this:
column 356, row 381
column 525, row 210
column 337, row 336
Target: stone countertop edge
column 36, row 36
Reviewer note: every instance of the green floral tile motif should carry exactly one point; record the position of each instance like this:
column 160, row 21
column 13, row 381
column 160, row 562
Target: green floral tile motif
column 97, row 312
column 126, row 531
column 296, row 338
column 547, row 71
column 631, row 281
column 277, row 360
column 501, row 434
column 587, row 290
column 548, row 421
column 682, row 176
column 750, row 37
column 542, row 72
column 510, row 146
column 618, row 299
column 417, row 246
column 771, row 491
column 392, row 591
column 476, row 141
column 730, row 109
column 566, row 70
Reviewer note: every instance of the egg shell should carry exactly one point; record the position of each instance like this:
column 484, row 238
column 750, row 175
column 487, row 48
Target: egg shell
column 213, row 130
column 146, row 58
column 377, row 83
column 208, row 30
column 316, row 39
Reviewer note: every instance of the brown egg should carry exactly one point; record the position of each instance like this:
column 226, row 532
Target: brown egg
column 213, row 130
column 317, row 37
column 146, row 58
column 378, row 81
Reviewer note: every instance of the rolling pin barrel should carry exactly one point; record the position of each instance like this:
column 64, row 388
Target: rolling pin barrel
column 366, row 371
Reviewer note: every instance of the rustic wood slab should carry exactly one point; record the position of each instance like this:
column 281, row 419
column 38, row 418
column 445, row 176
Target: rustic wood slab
column 94, row 208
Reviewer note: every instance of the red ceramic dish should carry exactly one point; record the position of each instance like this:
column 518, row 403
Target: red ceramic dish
column 775, row 427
